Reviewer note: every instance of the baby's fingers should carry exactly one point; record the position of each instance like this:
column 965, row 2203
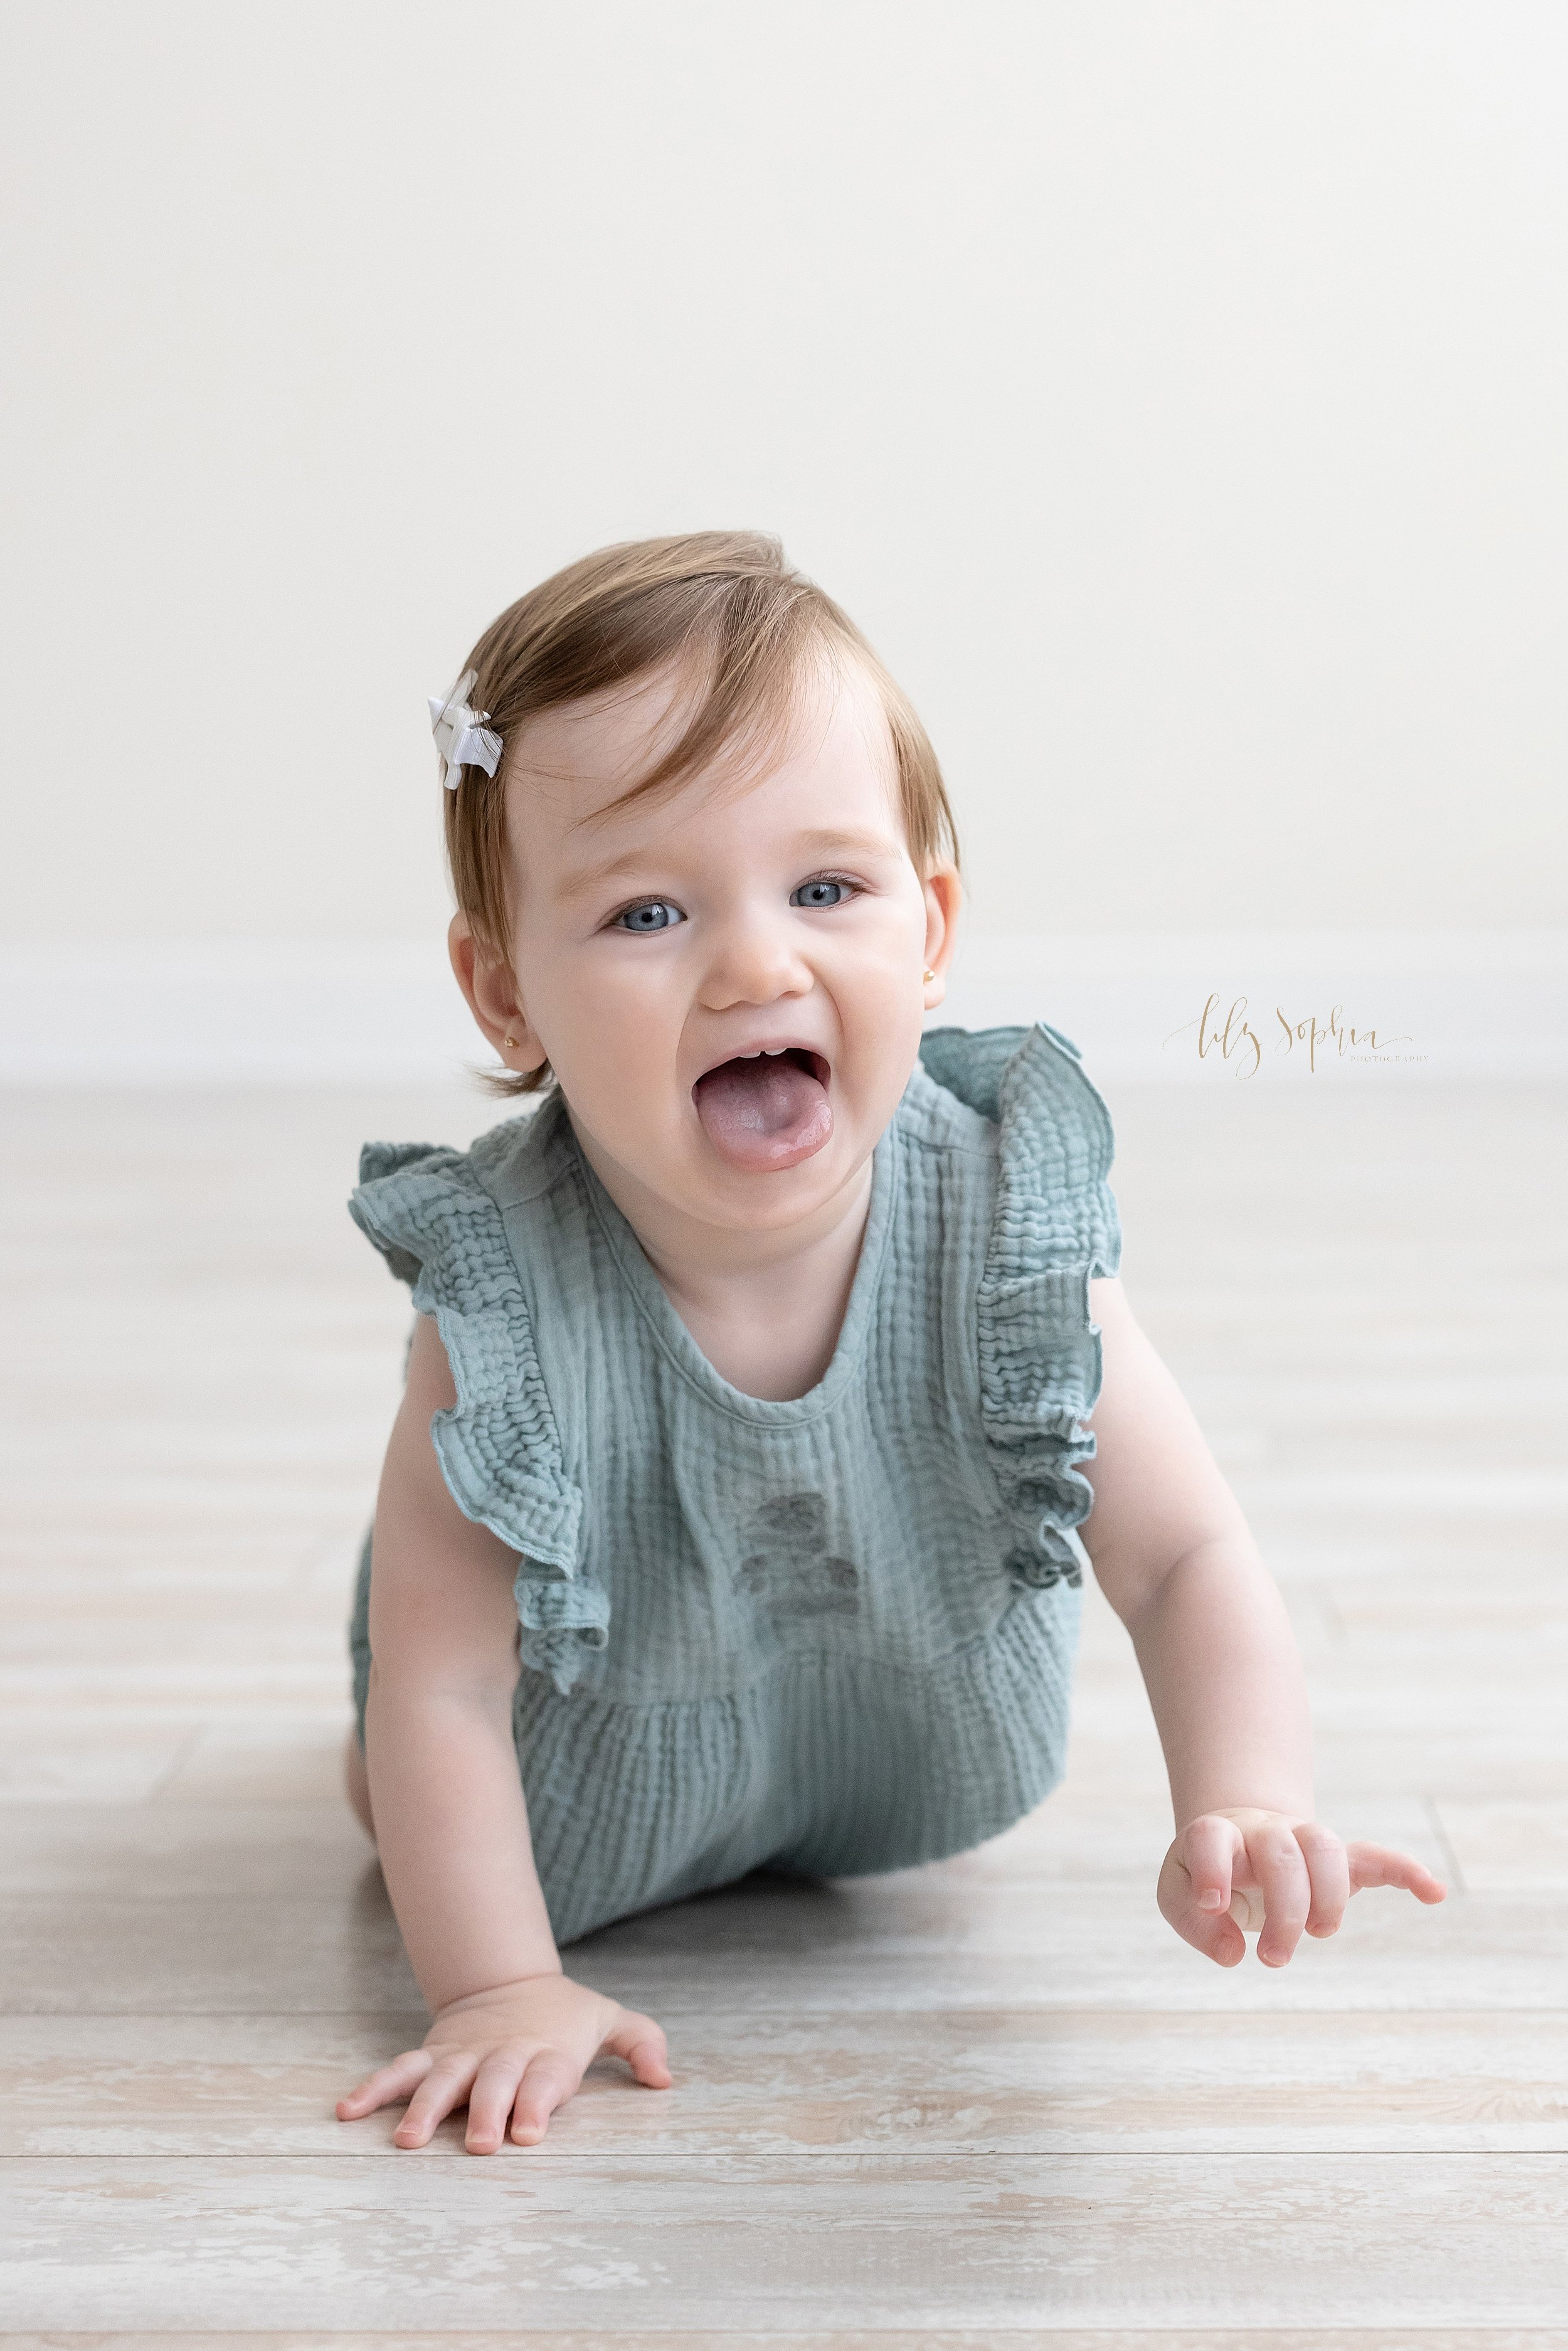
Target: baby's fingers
column 1378, row 1864
column 642, row 2044
column 445, row 2085
column 490, row 2099
column 1328, row 1870
column 1280, row 1867
column 551, row 2078
column 1194, row 1889
column 1208, row 1850
column 386, row 2085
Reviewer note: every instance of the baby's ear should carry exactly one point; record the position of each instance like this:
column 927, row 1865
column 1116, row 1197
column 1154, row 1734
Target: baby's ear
column 490, row 987
column 944, row 896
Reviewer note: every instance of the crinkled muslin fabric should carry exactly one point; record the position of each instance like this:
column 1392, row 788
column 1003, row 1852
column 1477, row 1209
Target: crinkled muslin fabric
column 834, row 1635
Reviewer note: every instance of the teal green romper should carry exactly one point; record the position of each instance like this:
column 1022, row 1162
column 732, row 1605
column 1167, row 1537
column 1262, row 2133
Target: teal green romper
column 833, row 1635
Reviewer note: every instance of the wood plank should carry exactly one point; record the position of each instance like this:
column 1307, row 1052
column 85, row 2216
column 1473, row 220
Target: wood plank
column 126, row 1756
column 1031, row 2081
column 104, row 1763
column 276, row 1758
column 172, row 1848
column 767, row 1944
column 1520, row 1846
column 739, row 2242
column 157, row 1852
column 834, row 2339
column 1488, row 1757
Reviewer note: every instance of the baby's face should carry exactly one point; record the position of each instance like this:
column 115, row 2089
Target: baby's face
column 728, row 982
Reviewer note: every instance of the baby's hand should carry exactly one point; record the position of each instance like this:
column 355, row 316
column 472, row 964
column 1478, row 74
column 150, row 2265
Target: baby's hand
column 1228, row 1870
column 515, row 2052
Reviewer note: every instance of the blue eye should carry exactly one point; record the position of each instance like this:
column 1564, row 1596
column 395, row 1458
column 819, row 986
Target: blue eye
column 819, row 893
column 652, row 914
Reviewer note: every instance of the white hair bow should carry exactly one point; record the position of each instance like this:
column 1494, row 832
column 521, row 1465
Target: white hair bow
column 461, row 735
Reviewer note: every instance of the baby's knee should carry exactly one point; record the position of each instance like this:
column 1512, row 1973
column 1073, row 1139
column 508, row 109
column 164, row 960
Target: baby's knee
column 357, row 1783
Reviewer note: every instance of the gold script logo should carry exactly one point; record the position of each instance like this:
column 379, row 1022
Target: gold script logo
column 1232, row 1036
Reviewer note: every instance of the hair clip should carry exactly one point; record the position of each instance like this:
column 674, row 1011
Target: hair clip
column 462, row 738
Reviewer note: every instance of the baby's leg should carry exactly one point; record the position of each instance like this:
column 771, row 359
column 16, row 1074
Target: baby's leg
column 357, row 1781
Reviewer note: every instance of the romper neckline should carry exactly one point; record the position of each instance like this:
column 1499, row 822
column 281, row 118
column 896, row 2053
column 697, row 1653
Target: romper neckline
column 676, row 1342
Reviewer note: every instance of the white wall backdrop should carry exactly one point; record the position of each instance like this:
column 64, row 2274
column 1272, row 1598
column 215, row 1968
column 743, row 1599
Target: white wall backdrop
column 1174, row 389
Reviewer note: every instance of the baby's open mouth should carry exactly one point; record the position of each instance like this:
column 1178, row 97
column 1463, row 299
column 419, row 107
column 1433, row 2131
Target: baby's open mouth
column 766, row 1111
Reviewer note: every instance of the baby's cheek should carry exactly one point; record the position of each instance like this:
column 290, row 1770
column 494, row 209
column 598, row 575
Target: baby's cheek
column 614, row 1034
column 881, row 1048
column 618, row 1073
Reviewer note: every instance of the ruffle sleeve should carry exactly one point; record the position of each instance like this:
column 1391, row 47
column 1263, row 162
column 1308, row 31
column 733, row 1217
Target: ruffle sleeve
column 1055, row 1228
column 426, row 1210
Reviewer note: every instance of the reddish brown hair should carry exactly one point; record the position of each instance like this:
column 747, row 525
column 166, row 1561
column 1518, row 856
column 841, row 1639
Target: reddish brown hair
column 744, row 626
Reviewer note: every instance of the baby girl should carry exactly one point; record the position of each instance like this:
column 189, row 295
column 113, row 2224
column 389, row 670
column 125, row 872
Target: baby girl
column 764, row 1373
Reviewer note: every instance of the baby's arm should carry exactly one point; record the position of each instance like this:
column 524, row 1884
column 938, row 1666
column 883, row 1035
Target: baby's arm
column 512, row 2034
column 1176, row 1558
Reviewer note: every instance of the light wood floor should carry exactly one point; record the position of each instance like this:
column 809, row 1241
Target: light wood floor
column 989, row 2102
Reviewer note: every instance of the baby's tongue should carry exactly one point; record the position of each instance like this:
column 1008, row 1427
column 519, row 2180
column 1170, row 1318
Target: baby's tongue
column 764, row 1114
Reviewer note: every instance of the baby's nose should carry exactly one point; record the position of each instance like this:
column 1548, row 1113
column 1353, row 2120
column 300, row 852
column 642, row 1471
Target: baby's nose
column 754, row 962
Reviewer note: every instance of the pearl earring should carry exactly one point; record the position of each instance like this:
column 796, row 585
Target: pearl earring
column 928, row 974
